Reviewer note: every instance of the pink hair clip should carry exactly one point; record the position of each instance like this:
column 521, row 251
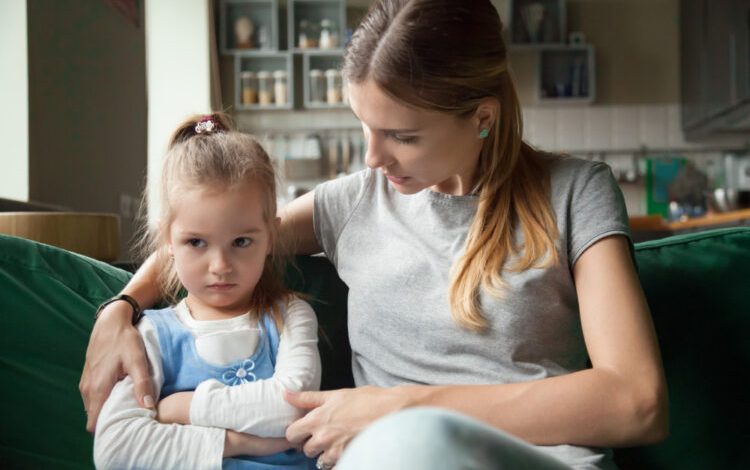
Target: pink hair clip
column 207, row 125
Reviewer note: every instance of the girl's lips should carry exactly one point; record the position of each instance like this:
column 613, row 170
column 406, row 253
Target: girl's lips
column 221, row 286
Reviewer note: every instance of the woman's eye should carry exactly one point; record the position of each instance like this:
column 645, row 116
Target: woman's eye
column 404, row 139
column 242, row 242
column 196, row 242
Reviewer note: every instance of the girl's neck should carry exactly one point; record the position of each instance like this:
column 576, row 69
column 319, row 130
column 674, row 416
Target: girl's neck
column 202, row 312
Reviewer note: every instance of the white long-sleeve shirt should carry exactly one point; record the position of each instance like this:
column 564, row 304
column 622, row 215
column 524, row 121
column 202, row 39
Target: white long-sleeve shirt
column 128, row 436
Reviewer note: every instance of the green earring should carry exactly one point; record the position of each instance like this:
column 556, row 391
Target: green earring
column 484, row 133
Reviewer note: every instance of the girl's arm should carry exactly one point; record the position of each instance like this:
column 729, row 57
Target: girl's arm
column 128, row 436
column 116, row 349
column 620, row 401
column 259, row 407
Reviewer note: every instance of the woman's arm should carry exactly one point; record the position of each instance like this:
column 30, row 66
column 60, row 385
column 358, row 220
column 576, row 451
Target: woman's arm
column 620, row 401
column 259, row 407
column 297, row 229
column 116, row 349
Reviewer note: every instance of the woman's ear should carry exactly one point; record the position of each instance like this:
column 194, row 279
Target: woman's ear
column 486, row 115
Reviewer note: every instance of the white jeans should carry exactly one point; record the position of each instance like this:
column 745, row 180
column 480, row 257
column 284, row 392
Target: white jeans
column 438, row 439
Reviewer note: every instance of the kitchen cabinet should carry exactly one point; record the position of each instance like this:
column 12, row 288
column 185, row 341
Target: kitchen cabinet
column 267, row 74
column 566, row 75
column 248, row 25
column 715, row 67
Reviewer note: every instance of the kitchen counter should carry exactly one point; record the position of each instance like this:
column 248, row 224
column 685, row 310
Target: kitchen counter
column 718, row 218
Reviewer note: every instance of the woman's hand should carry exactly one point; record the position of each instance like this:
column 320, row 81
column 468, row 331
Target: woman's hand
column 115, row 350
column 174, row 408
column 337, row 416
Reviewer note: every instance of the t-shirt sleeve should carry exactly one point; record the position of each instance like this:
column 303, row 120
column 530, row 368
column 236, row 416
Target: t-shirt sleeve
column 597, row 210
column 335, row 202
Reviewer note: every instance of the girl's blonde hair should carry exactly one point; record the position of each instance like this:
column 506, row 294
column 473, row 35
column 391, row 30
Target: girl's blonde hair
column 449, row 56
column 218, row 158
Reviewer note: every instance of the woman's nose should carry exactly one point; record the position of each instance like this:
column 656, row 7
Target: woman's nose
column 376, row 156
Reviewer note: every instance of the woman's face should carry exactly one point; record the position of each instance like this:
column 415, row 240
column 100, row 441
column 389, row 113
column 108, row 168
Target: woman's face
column 417, row 148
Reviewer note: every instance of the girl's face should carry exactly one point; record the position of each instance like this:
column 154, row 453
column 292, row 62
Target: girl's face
column 219, row 241
column 417, row 148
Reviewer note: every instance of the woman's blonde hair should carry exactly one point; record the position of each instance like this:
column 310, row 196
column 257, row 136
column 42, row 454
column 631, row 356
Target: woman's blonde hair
column 213, row 156
column 449, row 56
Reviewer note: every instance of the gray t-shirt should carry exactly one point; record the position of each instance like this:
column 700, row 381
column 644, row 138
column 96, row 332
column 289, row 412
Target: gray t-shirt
column 395, row 253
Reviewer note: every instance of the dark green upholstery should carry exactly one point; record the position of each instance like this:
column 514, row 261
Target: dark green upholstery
column 697, row 287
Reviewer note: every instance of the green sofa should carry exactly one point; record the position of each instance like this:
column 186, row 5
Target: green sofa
column 696, row 284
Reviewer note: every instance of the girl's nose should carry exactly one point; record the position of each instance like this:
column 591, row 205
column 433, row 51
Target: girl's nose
column 220, row 264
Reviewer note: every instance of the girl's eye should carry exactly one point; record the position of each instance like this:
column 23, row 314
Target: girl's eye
column 404, row 139
column 242, row 242
column 196, row 242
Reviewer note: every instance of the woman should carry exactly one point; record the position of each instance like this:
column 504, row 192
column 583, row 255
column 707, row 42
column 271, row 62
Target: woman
column 483, row 275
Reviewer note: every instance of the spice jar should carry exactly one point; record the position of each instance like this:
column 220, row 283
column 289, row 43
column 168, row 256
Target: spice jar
column 328, row 37
column 265, row 87
column 317, row 86
column 280, row 87
column 333, row 86
column 249, row 87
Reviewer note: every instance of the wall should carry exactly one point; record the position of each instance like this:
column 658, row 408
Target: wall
column 179, row 74
column 14, row 92
column 87, row 107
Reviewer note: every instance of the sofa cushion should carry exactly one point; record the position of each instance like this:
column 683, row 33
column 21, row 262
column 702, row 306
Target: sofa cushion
column 697, row 287
column 47, row 301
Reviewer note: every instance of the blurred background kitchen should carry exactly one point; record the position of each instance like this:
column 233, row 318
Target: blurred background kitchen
column 90, row 90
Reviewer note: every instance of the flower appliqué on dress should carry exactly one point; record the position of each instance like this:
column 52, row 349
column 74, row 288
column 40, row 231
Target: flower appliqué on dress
column 240, row 375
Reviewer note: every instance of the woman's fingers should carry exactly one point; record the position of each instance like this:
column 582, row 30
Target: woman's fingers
column 115, row 348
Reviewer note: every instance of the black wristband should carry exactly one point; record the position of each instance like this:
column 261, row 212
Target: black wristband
column 137, row 312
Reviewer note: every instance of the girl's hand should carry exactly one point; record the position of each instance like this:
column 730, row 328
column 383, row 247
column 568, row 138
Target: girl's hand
column 337, row 416
column 175, row 408
column 115, row 350
column 237, row 443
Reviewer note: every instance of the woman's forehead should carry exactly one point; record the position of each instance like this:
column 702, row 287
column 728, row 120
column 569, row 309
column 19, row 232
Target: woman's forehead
column 378, row 110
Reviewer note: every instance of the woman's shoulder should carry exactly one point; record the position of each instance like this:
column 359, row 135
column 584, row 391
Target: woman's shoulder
column 574, row 174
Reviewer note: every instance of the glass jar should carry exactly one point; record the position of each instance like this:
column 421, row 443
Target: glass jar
column 317, row 86
column 333, row 86
column 328, row 37
column 249, row 87
column 308, row 35
column 280, row 87
column 265, row 88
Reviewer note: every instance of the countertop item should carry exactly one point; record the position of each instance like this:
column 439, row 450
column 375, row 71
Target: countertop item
column 96, row 235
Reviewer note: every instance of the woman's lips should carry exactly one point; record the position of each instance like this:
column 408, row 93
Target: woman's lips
column 397, row 179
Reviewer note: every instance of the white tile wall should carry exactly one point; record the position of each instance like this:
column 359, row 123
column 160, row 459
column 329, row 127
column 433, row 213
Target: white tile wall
column 594, row 128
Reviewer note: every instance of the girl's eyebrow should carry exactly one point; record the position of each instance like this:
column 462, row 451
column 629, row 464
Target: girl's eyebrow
column 188, row 233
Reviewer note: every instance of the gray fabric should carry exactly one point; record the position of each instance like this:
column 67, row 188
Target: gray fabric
column 395, row 253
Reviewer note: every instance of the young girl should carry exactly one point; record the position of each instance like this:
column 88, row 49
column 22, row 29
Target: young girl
column 237, row 326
